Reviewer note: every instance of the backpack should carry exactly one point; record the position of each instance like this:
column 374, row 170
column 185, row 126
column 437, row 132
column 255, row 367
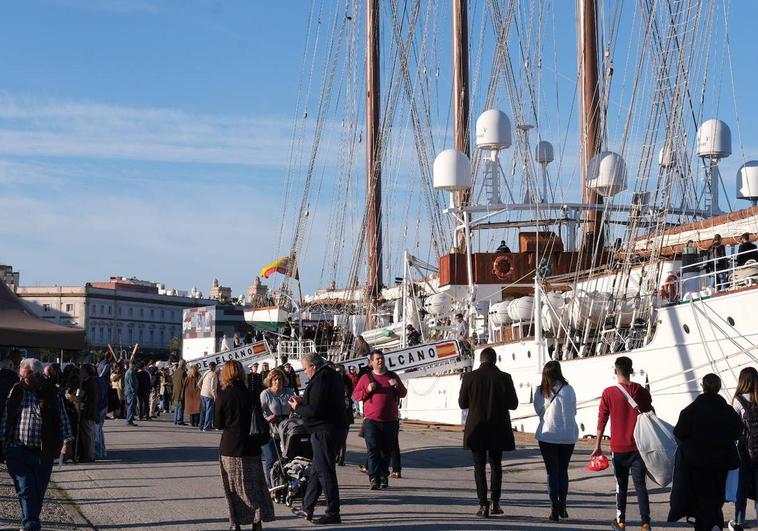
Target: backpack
column 749, row 438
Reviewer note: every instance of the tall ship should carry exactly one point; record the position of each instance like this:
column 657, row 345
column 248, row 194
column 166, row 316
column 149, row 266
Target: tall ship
column 565, row 213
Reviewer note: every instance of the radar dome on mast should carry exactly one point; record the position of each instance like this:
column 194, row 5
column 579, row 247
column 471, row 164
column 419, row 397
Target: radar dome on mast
column 452, row 171
column 493, row 130
column 607, row 174
column 544, row 152
column 747, row 181
column 714, row 140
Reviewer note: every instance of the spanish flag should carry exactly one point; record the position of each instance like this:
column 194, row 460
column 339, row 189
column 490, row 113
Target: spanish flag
column 283, row 266
column 445, row 350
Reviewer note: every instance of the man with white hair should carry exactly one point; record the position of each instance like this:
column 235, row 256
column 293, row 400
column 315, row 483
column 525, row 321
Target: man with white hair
column 321, row 407
column 35, row 429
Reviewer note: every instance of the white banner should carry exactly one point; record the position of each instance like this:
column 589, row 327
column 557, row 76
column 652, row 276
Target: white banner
column 245, row 354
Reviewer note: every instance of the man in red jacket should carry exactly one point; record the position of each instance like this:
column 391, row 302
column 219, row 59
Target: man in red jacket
column 380, row 391
column 626, row 457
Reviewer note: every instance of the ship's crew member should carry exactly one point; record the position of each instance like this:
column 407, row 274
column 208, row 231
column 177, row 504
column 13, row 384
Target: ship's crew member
column 503, row 248
column 717, row 263
column 264, row 371
column 254, row 381
column 412, row 336
column 746, row 250
column 35, row 430
column 380, row 390
column 321, row 408
column 488, row 393
column 460, row 332
column 745, row 399
column 557, row 432
column 240, row 454
column 706, row 431
column 626, row 457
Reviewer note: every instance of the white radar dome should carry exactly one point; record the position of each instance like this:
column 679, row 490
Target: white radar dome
column 544, row 152
column 607, row 174
column 714, row 140
column 493, row 130
column 452, row 171
column 438, row 304
column 747, row 181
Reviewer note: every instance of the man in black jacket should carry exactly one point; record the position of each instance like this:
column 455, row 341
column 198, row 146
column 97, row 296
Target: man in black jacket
column 8, row 378
column 488, row 394
column 321, row 407
column 746, row 250
column 707, row 430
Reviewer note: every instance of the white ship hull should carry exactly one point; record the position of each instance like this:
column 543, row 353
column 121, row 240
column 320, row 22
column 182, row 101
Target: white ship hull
column 723, row 332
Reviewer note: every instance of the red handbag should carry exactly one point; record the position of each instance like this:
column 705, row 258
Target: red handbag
column 597, row 463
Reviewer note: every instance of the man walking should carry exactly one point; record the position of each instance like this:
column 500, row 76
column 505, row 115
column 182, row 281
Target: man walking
column 707, row 430
column 8, row 378
column 321, row 407
column 143, row 383
column 488, row 393
column 177, row 379
column 208, row 386
column 380, row 391
column 35, row 430
column 626, row 457
column 131, row 392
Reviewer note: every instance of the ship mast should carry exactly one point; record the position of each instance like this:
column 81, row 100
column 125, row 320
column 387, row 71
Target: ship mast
column 461, row 95
column 590, row 113
column 373, row 160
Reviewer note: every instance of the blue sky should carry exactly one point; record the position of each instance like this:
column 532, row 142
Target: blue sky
column 151, row 138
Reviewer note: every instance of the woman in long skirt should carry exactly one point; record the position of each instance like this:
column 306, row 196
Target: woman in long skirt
column 240, row 456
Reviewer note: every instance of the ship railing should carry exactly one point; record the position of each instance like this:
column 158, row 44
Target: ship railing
column 294, row 350
column 714, row 274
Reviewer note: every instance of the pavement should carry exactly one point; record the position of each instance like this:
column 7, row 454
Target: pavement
column 166, row 477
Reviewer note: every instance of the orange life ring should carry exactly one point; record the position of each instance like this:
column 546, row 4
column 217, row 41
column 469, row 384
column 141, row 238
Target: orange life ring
column 504, row 269
column 670, row 288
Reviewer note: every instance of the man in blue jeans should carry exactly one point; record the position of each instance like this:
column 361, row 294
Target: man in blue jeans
column 208, row 385
column 35, row 429
column 131, row 388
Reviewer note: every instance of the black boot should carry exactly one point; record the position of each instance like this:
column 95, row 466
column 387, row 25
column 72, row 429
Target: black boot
column 496, row 509
column 562, row 510
column 484, row 510
column 554, row 512
column 258, row 526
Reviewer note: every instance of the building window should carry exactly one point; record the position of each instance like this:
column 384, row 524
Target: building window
column 119, row 310
column 131, row 312
column 141, row 334
column 152, row 313
column 109, row 309
column 46, row 307
column 163, row 314
column 151, row 336
column 141, row 312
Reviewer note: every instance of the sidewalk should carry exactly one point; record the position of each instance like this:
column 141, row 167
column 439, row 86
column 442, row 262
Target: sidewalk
column 161, row 476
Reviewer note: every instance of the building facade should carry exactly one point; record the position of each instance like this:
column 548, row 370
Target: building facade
column 121, row 311
column 9, row 276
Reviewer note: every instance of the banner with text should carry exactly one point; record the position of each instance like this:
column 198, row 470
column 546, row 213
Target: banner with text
column 244, row 354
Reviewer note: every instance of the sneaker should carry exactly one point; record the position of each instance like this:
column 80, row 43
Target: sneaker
column 374, row 485
column 384, row 483
column 618, row 526
column 734, row 526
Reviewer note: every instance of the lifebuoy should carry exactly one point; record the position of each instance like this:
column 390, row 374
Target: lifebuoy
column 504, row 269
column 670, row 288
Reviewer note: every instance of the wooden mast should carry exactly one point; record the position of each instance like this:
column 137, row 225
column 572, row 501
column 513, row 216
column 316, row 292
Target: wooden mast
column 590, row 115
column 461, row 95
column 373, row 160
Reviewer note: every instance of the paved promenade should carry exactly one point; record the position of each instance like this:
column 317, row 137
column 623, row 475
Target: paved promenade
column 166, row 477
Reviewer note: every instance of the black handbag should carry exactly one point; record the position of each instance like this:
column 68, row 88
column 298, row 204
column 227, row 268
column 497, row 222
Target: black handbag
column 259, row 428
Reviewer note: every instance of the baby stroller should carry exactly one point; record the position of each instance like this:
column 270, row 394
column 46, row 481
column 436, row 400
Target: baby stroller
column 292, row 469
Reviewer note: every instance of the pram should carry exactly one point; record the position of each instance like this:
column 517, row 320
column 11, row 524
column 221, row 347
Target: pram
column 292, row 469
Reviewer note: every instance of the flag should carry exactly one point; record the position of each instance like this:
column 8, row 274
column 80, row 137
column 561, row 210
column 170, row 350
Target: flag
column 283, row 266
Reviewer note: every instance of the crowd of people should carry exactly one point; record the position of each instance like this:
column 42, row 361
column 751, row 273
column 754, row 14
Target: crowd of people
column 50, row 414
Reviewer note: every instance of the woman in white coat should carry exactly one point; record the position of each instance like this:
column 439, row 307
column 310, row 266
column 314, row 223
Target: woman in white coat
column 555, row 403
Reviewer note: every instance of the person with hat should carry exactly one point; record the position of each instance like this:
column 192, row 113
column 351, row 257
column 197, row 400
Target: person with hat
column 254, row 382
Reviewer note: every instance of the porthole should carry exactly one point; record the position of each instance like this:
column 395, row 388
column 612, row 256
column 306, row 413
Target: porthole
column 730, row 321
column 499, row 358
column 514, row 356
column 581, row 426
column 528, row 353
column 686, row 329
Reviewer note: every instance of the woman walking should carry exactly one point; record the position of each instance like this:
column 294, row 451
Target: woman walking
column 745, row 398
column 192, row 396
column 240, row 456
column 555, row 403
column 275, row 407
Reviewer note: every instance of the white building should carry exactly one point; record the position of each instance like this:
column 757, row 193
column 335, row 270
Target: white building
column 121, row 311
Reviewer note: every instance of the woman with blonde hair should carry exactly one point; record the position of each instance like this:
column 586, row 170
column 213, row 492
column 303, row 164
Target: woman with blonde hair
column 275, row 407
column 239, row 454
column 192, row 396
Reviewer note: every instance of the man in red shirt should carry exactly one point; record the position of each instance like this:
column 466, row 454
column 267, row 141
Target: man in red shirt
column 626, row 457
column 380, row 391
